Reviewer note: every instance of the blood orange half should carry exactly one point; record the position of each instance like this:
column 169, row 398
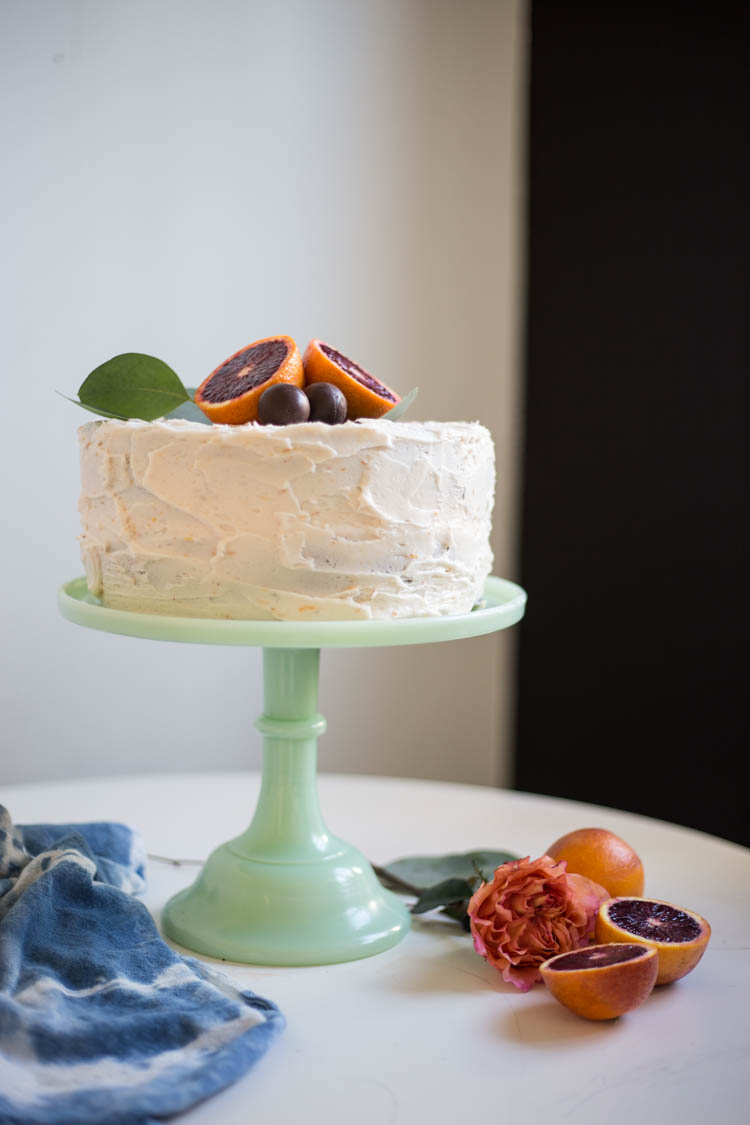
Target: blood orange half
column 678, row 936
column 365, row 395
column 601, row 982
column 231, row 392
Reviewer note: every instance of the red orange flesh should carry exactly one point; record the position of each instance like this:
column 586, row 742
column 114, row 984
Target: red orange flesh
column 231, row 392
column 366, row 396
column 678, row 936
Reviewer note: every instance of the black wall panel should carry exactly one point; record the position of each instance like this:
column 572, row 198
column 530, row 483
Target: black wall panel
column 633, row 675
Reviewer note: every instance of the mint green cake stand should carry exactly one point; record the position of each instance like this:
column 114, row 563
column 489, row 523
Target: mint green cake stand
column 287, row 891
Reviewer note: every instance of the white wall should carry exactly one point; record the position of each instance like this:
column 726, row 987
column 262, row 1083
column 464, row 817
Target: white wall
column 180, row 178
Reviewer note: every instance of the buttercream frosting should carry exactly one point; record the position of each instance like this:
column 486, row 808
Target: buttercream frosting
column 369, row 519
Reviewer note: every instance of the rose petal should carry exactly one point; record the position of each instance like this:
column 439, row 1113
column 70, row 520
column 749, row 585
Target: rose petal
column 588, row 894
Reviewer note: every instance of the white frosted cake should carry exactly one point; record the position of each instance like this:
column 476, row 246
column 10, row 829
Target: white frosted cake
column 368, row 519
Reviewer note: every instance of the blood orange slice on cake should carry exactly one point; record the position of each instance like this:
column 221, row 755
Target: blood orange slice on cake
column 231, row 392
column 365, row 395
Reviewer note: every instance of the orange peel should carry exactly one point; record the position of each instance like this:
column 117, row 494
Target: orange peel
column 600, row 855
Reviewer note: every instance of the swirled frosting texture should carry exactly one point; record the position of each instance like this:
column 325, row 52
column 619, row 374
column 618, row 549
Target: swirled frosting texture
column 370, row 519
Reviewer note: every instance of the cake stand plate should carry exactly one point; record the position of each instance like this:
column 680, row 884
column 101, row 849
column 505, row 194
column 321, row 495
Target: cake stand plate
column 287, row 891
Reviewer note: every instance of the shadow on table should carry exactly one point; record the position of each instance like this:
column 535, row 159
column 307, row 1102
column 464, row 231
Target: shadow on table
column 542, row 1022
column 457, row 969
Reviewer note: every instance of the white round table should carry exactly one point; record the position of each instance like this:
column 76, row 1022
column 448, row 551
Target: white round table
column 427, row 1031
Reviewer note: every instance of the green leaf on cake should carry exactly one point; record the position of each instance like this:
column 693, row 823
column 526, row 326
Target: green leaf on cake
column 188, row 411
column 132, row 385
column 401, row 407
column 92, row 409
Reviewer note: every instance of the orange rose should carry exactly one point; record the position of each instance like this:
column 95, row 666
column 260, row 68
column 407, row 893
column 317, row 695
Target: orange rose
column 531, row 910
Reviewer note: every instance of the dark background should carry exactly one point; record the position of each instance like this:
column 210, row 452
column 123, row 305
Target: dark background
column 633, row 677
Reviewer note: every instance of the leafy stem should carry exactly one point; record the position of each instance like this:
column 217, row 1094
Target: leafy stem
column 445, row 882
column 394, row 881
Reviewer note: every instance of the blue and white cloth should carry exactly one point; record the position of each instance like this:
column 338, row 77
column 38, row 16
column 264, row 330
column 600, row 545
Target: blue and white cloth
column 101, row 1023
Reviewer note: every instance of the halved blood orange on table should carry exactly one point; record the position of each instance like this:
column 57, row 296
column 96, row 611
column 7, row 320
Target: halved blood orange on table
column 230, row 393
column 601, row 982
column 678, row 936
column 366, row 396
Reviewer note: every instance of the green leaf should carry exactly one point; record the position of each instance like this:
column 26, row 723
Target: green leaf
column 133, row 385
column 458, row 911
column 423, row 871
column 401, row 407
column 189, row 411
column 447, row 893
column 92, row 409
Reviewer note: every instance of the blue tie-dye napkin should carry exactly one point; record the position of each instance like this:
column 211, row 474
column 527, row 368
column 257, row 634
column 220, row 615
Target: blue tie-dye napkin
column 100, row 1021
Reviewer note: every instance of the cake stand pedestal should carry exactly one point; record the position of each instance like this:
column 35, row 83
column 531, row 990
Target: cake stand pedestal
column 287, row 891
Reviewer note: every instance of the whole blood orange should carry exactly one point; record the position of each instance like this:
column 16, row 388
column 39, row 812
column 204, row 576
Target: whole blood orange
column 231, row 392
column 601, row 982
column 678, row 936
column 366, row 396
column 603, row 857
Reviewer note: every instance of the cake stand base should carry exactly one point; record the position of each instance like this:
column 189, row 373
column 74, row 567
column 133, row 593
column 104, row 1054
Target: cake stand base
column 318, row 913
column 286, row 891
